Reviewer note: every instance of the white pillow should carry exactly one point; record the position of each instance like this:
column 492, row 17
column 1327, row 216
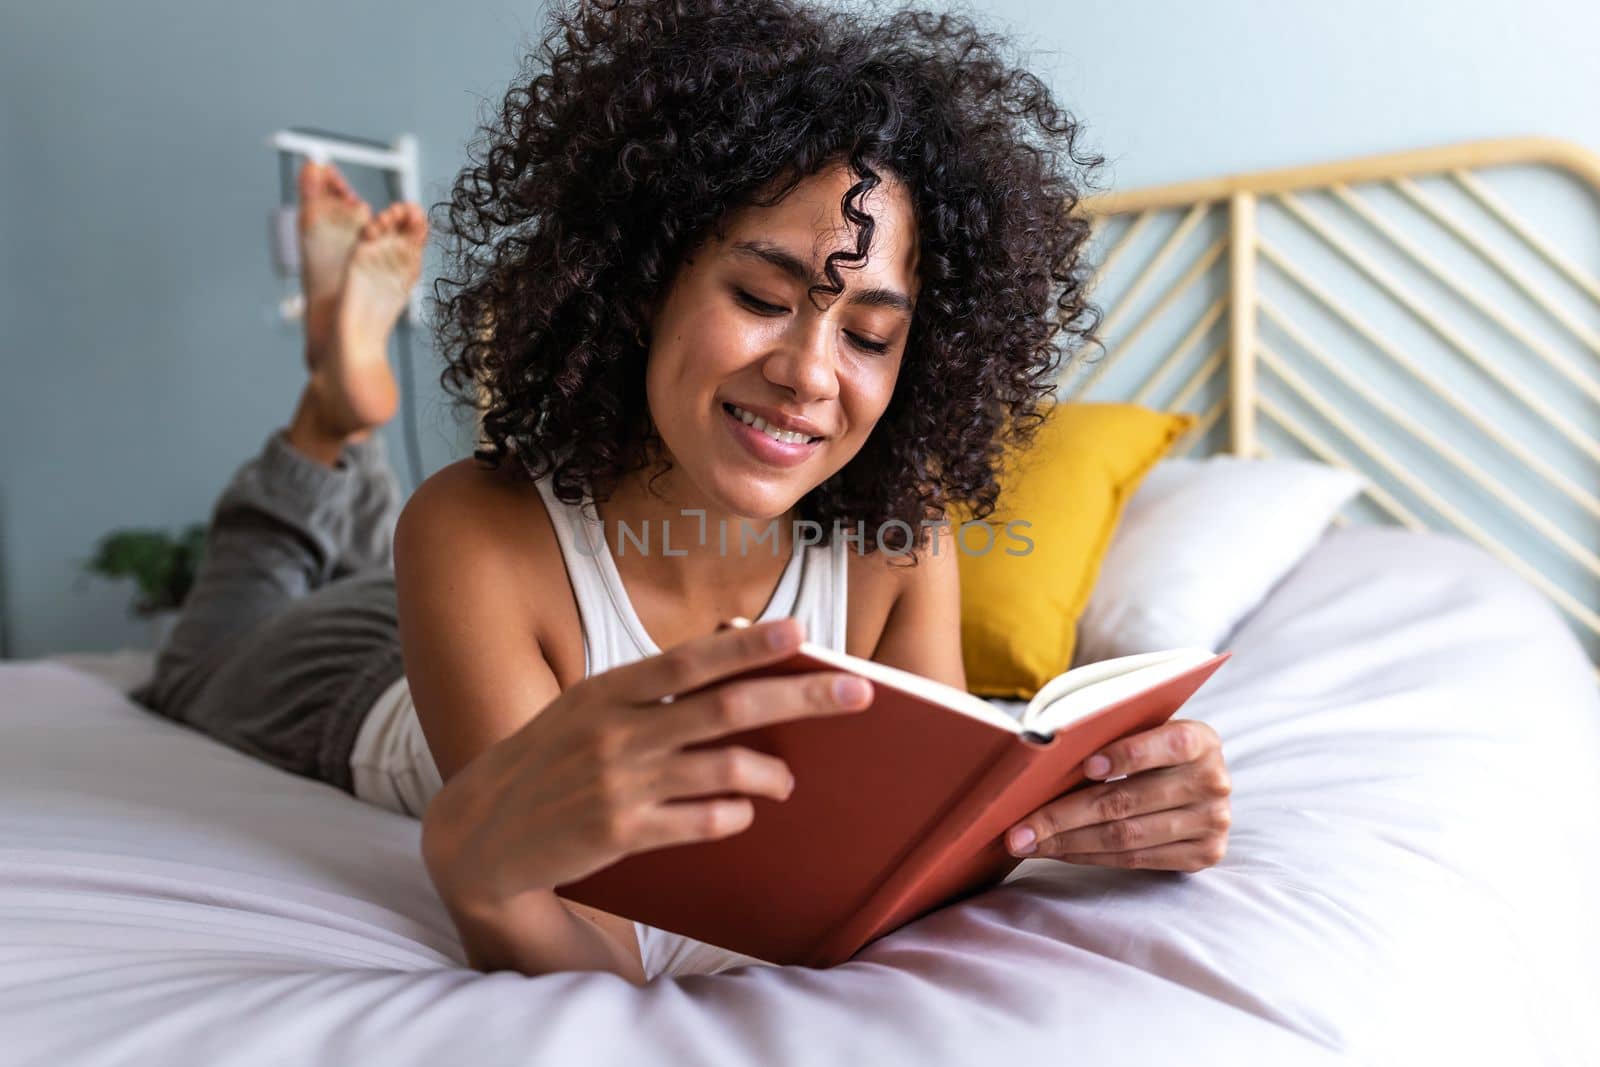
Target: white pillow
column 1200, row 544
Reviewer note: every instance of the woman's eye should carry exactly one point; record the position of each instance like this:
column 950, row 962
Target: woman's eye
column 757, row 305
column 761, row 307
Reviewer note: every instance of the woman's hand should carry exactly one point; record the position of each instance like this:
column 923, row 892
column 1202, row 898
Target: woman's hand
column 1170, row 813
column 601, row 771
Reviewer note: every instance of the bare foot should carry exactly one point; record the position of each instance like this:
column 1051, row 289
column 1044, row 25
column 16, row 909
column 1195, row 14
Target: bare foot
column 331, row 217
column 354, row 388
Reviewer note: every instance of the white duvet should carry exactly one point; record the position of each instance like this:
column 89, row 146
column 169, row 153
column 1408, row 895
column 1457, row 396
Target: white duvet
column 1414, row 739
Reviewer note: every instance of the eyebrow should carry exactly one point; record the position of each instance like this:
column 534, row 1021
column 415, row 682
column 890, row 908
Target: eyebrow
column 797, row 269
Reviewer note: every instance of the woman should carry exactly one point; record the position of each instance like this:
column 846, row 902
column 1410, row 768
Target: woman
column 744, row 265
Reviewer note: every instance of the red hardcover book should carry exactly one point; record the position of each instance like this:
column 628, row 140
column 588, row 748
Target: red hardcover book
column 897, row 810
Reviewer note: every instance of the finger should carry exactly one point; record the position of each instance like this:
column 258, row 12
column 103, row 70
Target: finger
column 1141, row 831
column 684, row 822
column 1187, row 856
column 733, row 707
column 702, row 660
column 1105, row 802
column 729, row 769
column 1171, row 743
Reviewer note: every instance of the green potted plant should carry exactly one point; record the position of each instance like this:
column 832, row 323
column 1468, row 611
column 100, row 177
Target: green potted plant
column 162, row 567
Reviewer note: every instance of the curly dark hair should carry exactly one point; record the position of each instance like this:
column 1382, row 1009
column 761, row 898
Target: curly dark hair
column 638, row 126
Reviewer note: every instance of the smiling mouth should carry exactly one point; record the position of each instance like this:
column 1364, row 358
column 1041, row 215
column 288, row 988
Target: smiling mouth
column 758, row 423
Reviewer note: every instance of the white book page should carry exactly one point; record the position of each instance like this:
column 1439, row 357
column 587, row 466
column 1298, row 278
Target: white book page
column 937, row 692
column 1087, row 689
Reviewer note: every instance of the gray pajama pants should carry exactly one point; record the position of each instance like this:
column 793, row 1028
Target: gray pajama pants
column 289, row 633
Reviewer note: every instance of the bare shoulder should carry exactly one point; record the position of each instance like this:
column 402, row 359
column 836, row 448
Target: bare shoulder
column 479, row 516
column 471, row 527
column 892, row 574
column 908, row 614
column 465, row 494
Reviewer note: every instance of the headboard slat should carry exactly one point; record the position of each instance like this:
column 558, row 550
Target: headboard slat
column 1392, row 314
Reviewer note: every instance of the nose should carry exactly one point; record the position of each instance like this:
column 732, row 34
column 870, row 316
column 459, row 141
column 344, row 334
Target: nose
column 806, row 365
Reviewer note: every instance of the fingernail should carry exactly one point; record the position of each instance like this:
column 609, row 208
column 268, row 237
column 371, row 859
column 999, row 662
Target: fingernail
column 1022, row 841
column 850, row 690
column 1097, row 766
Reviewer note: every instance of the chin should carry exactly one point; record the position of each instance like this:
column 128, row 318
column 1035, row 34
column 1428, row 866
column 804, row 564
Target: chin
column 759, row 499
column 754, row 491
column 750, row 503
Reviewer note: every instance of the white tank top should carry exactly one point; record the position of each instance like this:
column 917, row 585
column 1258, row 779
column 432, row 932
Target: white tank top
column 812, row 587
column 391, row 765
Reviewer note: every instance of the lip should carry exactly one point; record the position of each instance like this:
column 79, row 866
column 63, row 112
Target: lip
column 794, row 423
column 764, row 448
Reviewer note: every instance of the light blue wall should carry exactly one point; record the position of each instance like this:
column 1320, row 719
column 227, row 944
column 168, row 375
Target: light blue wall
column 1179, row 90
column 142, row 359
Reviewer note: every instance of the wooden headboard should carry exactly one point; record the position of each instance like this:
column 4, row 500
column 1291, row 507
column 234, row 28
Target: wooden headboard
column 1430, row 318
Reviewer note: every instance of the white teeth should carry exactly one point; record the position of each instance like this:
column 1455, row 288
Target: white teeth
column 765, row 427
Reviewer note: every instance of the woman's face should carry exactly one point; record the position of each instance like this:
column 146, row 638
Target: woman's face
column 736, row 336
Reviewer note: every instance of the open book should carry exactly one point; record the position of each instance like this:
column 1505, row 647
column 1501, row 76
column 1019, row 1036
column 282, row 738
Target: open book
column 897, row 810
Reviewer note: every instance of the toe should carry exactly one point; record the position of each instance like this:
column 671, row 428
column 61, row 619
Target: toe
column 309, row 180
column 337, row 184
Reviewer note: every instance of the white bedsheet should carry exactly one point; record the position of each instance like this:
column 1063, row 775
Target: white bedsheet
column 1414, row 739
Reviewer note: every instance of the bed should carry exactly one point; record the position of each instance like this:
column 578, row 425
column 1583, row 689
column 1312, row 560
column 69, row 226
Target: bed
column 1412, row 728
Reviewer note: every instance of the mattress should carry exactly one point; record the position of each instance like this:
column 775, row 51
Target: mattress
column 1414, row 742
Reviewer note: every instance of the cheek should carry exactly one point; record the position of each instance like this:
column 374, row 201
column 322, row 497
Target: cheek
column 715, row 348
column 868, row 398
column 692, row 358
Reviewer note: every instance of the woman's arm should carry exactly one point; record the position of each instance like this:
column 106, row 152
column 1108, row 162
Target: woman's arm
column 543, row 787
column 923, row 631
column 468, row 624
column 477, row 674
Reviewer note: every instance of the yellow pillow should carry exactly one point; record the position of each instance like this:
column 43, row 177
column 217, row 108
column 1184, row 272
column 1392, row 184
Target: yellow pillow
column 1019, row 612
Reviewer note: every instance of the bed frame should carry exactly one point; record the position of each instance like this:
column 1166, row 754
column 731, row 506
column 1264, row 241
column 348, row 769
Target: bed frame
column 1392, row 314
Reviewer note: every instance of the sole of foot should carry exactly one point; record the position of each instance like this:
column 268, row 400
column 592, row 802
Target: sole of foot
column 330, row 221
column 352, row 382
